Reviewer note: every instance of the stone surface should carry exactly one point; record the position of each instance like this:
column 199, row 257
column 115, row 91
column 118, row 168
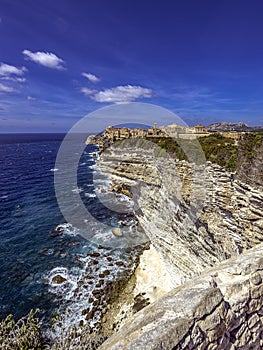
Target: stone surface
column 199, row 221
column 58, row 279
column 117, row 232
column 194, row 215
column 198, row 316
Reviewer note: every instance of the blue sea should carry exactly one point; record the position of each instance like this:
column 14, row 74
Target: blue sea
column 45, row 262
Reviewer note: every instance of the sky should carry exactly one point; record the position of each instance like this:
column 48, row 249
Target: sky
column 63, row 59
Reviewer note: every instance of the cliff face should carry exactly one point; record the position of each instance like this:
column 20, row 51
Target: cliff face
column 221, row 309
column 250, row 161
column 194, row 215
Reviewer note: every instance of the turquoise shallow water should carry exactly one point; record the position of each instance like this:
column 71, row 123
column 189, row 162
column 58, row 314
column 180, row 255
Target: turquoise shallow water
column 32, row 251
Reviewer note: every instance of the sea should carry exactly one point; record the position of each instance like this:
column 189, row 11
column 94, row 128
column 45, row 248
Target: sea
column 45, row 261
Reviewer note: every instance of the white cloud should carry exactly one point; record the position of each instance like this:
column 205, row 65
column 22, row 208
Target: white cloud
column 119, row 94
column 31, row 98
column 47, row 59
column 21, row 80
column 5, row 88
column 11, row 74
column 87, row 91
column 17, row 79
column 91, row 77
column 6, row 70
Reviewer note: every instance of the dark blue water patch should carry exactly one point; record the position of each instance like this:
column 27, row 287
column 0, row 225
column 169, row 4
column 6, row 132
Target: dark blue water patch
column 28, row 213
column 30, row 247
column 30, row 138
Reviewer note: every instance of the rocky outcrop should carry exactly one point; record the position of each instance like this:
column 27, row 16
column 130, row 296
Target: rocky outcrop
column 221, row 309
column 250, row 161
column 199, row 219
column 195, row 215
column 225, row 126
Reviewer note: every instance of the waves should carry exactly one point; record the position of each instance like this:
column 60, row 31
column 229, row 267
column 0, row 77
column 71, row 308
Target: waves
column 54, row 169
column 44, row 261
column 82, row 290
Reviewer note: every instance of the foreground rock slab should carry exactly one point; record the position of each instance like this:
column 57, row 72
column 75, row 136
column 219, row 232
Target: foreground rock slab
column 220, row 309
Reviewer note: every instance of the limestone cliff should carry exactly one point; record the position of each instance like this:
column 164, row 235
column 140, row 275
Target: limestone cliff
column 199, row 219
column 194, row 215
column 220, row 310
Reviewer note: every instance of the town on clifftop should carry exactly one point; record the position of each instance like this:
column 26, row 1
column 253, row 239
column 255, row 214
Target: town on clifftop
column 115, row 133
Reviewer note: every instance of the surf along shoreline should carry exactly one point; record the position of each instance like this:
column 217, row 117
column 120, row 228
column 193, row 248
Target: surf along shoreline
column 147, row 282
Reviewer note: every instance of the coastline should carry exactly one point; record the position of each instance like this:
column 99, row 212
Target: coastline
column 145, row 278
column 147, row 281
column 186, row 247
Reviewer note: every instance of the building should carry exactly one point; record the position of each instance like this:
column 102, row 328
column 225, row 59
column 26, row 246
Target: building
column 113, row 133
column 154, row 131
column 198, row 129
column 138, row 132
column 173, row 130
column 117, row 133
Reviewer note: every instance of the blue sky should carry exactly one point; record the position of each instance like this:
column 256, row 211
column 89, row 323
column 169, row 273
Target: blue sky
column 60, row 60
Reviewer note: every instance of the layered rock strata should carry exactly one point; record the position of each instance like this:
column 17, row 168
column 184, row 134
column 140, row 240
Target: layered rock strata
column 221, row 309
column 195, row 215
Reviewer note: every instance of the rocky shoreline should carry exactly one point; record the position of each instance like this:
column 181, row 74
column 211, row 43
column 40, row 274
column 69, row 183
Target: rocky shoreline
column 195, row 216
column 105, row 275
column 147, row 284
column 227, row 222
column 146, row 281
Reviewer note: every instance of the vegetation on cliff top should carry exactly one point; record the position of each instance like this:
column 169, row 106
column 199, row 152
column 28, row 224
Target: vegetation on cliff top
column 249, row 145
column 218, row 149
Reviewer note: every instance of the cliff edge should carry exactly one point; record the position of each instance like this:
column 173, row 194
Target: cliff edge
column 195, row 215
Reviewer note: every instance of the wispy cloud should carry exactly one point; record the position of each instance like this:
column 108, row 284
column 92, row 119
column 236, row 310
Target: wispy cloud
column 199, row 98
column 9, row 72
column 186, row 93
column 11, row 75
column 46, row 59
column 31, row 98
column 87, row 91
column 118, row 94
column 91, row 77
column 17, row 79
column 5, row 88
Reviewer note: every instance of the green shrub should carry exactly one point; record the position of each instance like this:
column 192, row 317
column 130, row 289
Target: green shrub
column 249, row 145
column 24, row 334
column 216, row 148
